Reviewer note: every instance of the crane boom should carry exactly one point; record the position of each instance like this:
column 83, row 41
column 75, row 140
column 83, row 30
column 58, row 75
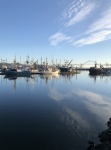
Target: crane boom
column 69, row 63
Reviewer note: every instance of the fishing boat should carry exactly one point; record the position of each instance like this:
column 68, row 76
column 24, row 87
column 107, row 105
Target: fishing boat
column 96, row 70
column 3, row 68
column 34, row 67
column 66, row 68
column 107, row 71
column 18, row 71
column 34, row 71
column 55, row 71
column 46, row 70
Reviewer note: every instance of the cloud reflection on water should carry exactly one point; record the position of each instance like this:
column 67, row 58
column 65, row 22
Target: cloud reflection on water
column 96, row 105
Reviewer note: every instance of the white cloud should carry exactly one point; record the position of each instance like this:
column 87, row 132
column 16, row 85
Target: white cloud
column 103, row 23
column 99, row 31
column 95, row 37
column 77, row 11
column 58, row 38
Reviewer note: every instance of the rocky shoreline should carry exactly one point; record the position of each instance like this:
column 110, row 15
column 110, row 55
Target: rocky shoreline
column 105, row 139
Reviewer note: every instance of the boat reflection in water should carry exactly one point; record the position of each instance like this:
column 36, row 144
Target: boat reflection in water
column 105, row 77
column 10, row 77
column 33, row 79
column 50, row 76
column 15, row 78
column 53, row 78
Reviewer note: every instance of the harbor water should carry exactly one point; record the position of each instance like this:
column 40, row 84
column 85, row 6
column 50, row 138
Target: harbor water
column 59, row 112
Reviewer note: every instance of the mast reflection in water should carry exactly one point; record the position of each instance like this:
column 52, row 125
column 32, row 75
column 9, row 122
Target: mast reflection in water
column 60, row 112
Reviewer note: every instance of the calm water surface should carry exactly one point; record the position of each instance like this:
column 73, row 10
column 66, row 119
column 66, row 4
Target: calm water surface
column 59, row 112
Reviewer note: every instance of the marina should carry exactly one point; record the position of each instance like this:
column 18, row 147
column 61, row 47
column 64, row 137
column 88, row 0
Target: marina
column 54, row 68
column 55, row 75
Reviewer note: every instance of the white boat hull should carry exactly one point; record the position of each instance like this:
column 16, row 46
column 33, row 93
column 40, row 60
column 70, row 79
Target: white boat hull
column 35, row 71
column 49, row 72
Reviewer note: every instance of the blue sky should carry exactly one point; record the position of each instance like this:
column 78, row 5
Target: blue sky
column 56, row 29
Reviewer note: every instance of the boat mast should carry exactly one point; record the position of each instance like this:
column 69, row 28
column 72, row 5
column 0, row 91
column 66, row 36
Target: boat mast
column 41, row 61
